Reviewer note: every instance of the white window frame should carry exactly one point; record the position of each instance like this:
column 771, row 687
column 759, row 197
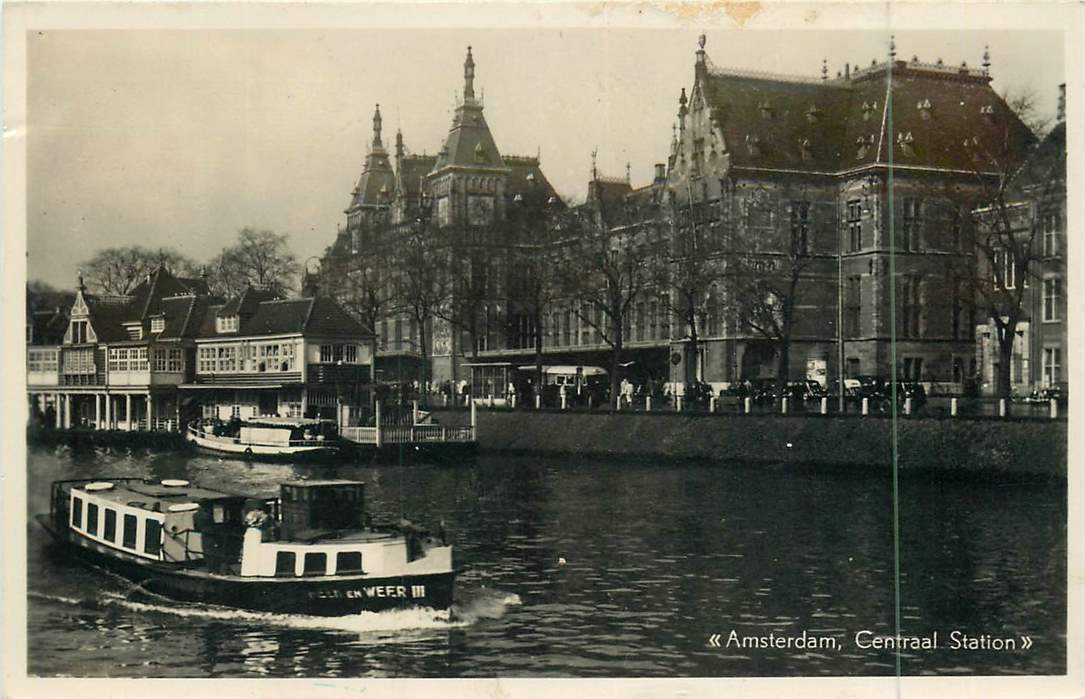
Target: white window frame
column 1052, row 296
column 1052, row 369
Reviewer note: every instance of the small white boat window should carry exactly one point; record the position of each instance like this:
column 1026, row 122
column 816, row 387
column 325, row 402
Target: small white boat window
column 110, row 525
column 128, row 535
column 77, row 512
column 284, row 563
column 219, row 513
column 152, row 537
column 316, row 564
column 348, row 563
column 92, row 519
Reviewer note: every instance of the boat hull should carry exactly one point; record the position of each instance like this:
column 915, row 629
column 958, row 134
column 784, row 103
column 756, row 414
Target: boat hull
column 260, row 451
column 323, row 596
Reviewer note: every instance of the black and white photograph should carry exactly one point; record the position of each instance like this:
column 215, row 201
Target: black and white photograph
column 702, row 347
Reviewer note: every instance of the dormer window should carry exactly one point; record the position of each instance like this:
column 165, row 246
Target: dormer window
column 226, row 324
column 924, row 107
column 158, row 325
column 134, row 330
column 905, row 141
column 753, row 145
column 987, row 111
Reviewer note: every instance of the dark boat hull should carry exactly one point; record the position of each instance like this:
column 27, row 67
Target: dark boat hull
column 323, row 596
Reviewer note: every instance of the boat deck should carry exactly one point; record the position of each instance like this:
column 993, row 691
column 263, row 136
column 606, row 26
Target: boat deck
column 155, row 497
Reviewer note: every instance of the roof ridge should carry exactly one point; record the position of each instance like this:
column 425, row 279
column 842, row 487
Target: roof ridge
column 308, row 314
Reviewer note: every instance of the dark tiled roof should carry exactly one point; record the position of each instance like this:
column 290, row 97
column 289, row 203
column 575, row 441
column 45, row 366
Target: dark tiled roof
column 412, row 173
column 49, row 326
column 245, row 304
column 184, row 316
column 376, row 183
column 469, row 143
column 159, row 284
column 108, row 315
column 312, row 316
column 809, row 125
column 527, row 180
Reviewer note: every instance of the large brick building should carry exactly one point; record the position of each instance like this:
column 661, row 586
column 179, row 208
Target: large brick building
column 861, row 187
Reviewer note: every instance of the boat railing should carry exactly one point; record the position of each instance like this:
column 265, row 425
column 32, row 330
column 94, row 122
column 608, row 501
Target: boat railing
column 408, row 434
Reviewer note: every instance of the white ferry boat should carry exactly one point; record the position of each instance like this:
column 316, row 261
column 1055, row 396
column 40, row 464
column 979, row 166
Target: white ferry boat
column 266, row 437
column 312, row 550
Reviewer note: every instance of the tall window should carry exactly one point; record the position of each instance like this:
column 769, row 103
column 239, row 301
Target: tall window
column 1052, row 365
column 912, row 223
column 855, row 226
column 908, row 289
column 1051, row 235
column 853, row 303
column 79, row 332
column 1005, row 271
column 176, row 360
column 205, row 360
column 1052, row 297
column 800, row 227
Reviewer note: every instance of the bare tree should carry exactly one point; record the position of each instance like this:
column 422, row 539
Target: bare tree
column 422, row 288
column 258, row 258
column 764, row 284
column 1014, row 201
column 605, row 272
column 118, row 270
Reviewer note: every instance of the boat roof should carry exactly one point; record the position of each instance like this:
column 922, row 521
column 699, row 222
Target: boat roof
column 148, row 495
column 284, row 421
column 316, row 483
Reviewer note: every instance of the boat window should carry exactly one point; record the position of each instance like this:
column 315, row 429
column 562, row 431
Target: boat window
column 129, row 533
column 110, row 525
column 316, row 564
column 92, row 518
column 77, row 512
column 219, row 513
column 348, row 563
column 284, row 563
column 152, row 537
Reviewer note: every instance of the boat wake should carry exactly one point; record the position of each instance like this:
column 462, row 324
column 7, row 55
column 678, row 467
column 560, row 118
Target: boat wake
column 415, row 621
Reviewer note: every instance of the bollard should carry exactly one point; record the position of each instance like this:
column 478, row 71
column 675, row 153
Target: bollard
column 824, row 405
column 1054, row 408
column 783, row 405
column 907, row 406
column 648, row 404
column 618, row 405
column 563, row 401
column 953, row 407
column 747, row 404
column 866, row 406
column 712, row 404
column 538, row 401
column 678, row 404
column 589, row 401
column 1002, row 407
column 512, row 400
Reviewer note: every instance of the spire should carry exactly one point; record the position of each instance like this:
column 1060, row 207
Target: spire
column 682, row 110
column 80, row 285
column 628, row 176
column 469, row 77
column 399, row 144
column 594, row 171
column 986, row 60
column 377, row 128
column 824, row 69
column 892, row 47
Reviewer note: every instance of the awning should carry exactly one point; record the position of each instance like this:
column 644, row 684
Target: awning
column 227, row 386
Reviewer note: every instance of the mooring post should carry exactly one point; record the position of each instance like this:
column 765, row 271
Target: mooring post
column 866, row 406
column 908, row 406
column 824, row 405
column 953, row 407
column 648, row 403
column 538, row 401
column 1002, row 407
column 563, row 401
column 377, row 421
column 783, row 405
column 474, row 419
column 712, row 404
column 677, row 403
column 1054, row 408
column 747, row 405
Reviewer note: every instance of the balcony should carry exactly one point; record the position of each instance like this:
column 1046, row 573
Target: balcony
column 338, row 374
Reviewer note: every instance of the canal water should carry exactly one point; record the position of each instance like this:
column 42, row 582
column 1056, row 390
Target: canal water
column 578, row 569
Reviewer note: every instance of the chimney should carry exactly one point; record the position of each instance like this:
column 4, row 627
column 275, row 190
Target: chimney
column 661, row 174
column 847, row 70
column 1060, row 115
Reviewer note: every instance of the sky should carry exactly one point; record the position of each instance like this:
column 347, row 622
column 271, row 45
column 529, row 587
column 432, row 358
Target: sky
column 181, row 138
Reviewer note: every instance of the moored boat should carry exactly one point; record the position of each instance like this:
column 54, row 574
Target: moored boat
column 266, row 437
column 311, row 550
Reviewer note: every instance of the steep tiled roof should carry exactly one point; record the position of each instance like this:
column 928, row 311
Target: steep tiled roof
column 412, row 173
column 48, row 325
column 377, row 181
column 108, row 315
column 527, row 180
column 184, row 315
column 312, row 316
column 837, row 125
column 246, row 303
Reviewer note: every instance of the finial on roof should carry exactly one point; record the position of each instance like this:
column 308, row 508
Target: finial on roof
column 628, row 179
column 79, row 283
column 377, row 127
column 824, row 69
column 701, row 40
column 594, row 172
column 892, row 46
column 986, row 59
column 469, row 76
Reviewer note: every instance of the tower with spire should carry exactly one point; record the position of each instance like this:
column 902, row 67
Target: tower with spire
column 372, row 196
column 470, row 178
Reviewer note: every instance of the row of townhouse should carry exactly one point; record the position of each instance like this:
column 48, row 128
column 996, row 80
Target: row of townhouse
column 168, row 352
